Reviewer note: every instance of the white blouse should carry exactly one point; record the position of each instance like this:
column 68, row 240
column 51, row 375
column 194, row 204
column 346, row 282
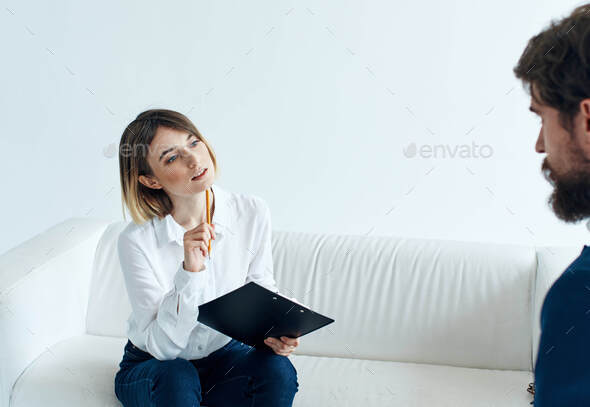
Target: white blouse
column 151, row 256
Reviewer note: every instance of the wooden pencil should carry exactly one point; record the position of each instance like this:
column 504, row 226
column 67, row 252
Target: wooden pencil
column 208, row 219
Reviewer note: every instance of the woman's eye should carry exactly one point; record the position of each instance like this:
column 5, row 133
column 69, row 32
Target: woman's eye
column 172, row 158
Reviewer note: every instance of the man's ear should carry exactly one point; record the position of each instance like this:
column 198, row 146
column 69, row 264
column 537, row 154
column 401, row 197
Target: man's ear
column 149, row 182
column 585, row 111
column 582, row 129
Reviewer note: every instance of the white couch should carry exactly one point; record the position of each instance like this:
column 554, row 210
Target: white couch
column 418, row 322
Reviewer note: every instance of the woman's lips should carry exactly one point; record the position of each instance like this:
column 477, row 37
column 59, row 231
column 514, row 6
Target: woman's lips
column 200, row 176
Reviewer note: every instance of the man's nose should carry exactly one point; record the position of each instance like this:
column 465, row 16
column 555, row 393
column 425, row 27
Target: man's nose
column 540, row 145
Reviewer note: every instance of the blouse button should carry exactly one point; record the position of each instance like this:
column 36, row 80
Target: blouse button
column 200, row 347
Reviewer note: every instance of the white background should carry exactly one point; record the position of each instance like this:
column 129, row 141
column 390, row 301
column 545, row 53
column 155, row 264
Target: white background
column 308, row 105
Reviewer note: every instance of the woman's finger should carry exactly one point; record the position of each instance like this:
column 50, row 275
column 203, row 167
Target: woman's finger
column 290, row 341
column 270, row 344
column 282, row 353
column 279, row 347
column 196, row 238
column 198, row 245
column 206, row 232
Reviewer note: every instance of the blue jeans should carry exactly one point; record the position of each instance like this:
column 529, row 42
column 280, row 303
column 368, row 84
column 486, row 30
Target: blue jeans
column 235, row 375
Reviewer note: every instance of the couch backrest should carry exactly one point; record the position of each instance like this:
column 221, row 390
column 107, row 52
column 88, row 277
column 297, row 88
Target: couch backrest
column 415, row 300
column 108, row 303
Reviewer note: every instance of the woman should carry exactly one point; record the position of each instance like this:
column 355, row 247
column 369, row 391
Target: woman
column 170, row 359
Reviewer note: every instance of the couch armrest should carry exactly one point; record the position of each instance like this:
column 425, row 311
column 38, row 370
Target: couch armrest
column 44, row 285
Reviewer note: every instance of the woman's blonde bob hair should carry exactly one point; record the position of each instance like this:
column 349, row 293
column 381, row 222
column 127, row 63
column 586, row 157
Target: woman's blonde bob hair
column 145, row 203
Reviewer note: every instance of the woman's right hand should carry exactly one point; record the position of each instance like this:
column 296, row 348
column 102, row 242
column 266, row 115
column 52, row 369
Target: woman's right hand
column 196, row 242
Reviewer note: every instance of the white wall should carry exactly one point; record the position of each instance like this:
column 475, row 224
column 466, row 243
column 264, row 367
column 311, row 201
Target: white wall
column 309, row 105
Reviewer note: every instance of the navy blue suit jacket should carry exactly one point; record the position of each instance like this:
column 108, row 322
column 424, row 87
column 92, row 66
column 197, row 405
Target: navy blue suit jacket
column 562, row 369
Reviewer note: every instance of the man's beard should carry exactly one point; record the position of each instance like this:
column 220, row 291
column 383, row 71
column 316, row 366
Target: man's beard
column 570, row 199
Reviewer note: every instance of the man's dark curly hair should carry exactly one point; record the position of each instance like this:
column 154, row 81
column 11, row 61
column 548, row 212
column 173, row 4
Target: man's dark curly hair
column 556, row 63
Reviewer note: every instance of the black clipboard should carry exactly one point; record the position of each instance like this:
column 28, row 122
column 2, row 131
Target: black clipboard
column 252, row 313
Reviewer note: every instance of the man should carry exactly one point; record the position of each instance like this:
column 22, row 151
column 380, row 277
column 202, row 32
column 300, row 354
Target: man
column 555, row 69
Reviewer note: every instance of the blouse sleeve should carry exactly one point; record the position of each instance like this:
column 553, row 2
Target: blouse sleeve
column 165, row 317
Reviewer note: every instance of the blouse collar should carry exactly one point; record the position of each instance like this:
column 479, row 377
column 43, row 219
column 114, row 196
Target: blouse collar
column 168, row 230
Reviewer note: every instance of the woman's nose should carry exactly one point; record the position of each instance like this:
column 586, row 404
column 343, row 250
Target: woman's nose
column 190, row 158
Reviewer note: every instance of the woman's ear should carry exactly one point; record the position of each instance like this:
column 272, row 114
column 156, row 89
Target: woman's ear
column 149, row 182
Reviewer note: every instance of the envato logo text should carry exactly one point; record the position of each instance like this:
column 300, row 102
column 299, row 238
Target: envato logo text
column 448, row 151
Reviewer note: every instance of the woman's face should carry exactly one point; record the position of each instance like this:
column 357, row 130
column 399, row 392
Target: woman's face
column 176, row 157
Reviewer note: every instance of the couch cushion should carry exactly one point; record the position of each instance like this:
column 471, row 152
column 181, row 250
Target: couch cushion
column 80, row 372
column 339, row 382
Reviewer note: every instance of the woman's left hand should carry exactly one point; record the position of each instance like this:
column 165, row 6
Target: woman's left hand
column 283, row 346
